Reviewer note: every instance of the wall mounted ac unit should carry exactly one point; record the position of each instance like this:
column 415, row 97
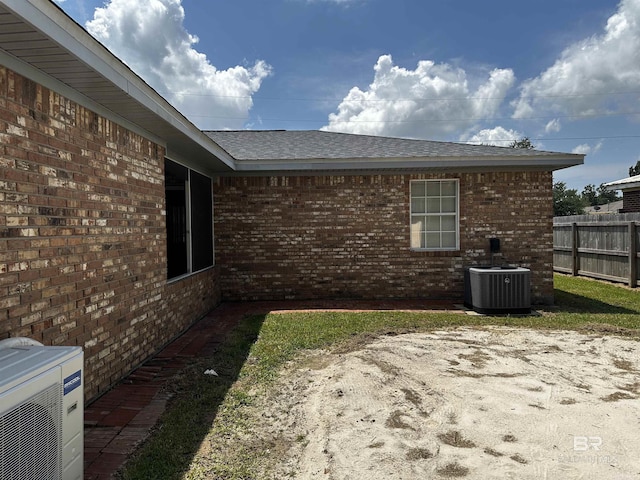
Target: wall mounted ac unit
column 499, row 289
column 41, row 413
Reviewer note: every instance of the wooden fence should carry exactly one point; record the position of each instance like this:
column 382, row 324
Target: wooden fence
column 599, row 246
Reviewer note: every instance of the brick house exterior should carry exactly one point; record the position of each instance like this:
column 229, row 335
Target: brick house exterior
column 82, row 235
column 630, row 201
column 348, row 235
column 630, row 188
column 89, row 156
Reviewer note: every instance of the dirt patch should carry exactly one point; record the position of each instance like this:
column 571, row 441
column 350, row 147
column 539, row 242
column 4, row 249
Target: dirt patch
column 395, row 420
column 419, row 454
column 455, row 439
column 518, row 404
column 609, row 330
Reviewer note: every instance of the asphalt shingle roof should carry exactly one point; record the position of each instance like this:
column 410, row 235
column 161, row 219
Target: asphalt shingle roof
column 313, row 144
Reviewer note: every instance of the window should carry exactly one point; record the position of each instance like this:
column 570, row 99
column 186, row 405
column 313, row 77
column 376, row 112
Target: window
column 189, row 220
column 434, row 214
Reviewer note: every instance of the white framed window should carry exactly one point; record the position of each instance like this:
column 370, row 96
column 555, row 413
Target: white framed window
column 434, row 214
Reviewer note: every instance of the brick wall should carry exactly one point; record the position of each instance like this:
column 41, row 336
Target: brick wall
column 348, row 236
column 83, row 247
column 630, row 201
column 82, row 235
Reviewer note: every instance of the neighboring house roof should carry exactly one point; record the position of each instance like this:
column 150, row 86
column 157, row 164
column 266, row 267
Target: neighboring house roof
column 624, row 183
column 611, row 207
column 260, row 150
column 41, row 42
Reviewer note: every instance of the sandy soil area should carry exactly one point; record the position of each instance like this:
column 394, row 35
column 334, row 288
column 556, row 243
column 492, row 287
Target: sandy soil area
column 491, row 403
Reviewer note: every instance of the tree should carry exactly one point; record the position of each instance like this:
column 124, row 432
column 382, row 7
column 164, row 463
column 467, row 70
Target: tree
column 635, row 170
column 589, row 195
column 524, row 142
column 592, row 196
column 566, row 201
column 606, row 196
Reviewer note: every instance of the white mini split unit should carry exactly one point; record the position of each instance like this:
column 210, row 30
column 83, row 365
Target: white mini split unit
column 41, row 412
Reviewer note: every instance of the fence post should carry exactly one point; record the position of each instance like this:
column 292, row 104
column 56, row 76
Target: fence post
column 574, row 249
column 633, row 256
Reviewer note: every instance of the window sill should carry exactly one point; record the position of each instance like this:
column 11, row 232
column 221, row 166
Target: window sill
column 435, row 253
column 187, row 275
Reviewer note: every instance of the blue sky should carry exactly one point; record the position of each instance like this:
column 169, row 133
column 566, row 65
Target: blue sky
column 565, row 73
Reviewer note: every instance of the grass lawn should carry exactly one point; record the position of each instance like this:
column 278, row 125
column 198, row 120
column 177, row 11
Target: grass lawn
column 206, row 433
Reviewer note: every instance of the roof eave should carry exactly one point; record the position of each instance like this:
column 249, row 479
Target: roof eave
column 622, row 186
column 186, row 140
column 632, row 182
column 384, row 164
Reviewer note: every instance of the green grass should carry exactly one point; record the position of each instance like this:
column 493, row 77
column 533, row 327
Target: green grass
column 207, row 431
column 575, row 294
column 197, row 402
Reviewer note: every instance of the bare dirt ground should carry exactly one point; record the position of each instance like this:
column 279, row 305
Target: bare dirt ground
column 490, row 403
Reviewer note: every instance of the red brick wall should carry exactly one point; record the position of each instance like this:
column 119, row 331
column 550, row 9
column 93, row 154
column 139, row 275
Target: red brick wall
column 630, row 201
column 82, row 235
column 348, row 236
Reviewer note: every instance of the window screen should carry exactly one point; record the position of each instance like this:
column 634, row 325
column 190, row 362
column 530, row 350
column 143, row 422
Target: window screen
column 189, row 203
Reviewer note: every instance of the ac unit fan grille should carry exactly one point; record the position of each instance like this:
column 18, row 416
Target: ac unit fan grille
column 507, row 291
column 499, row 290
column 30, row 438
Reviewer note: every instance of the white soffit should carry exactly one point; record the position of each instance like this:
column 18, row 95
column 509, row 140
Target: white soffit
column 40, row 35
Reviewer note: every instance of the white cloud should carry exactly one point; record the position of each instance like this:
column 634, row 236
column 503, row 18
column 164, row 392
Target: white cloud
column 582, row 80
column 150, row 37
column 586, row 149
column 553, row 126
column 432, row 101
column 582, row 149
column 498, row 136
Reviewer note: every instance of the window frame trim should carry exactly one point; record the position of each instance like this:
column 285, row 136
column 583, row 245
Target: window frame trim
column 189, row 246
column 456, row 214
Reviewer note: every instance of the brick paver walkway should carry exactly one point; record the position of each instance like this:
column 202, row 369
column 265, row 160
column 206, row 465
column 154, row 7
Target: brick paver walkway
column 122, row 418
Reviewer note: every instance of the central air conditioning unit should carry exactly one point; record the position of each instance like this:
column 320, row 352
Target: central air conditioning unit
column 499, row 290
column 41, row 412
